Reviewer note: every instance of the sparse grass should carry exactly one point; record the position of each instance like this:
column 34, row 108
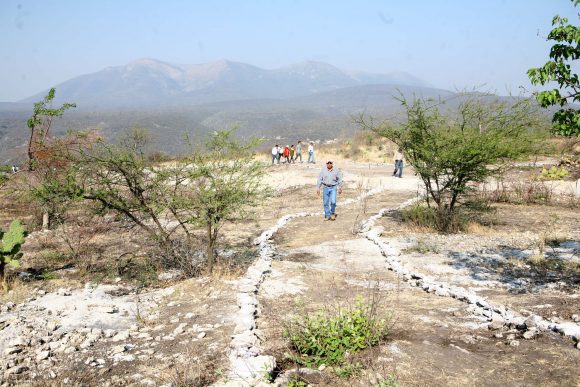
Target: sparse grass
column 348, row 370
column 537, row 259
column 518, row 192
column 390, row 380
column 427, row 218
column 421, row 247
column 199, row 370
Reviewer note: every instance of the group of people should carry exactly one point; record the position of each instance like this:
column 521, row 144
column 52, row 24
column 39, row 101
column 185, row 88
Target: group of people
column 289, row 153
column 329, row 181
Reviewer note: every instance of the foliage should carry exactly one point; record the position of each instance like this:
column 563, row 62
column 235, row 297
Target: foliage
column 10, row 243
column 325, row 338
column 519, row 192
column 296, row 383
column 39, row 124
column 224, row 182
column 554, row 173
column 467, row 145
column 210, row 188
column 563, row 54
column 432, row 218
column 389, row 381
column 348, row 370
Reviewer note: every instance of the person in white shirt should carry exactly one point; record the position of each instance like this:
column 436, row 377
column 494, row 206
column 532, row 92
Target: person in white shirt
column 398, row 158
column 311, row 153
column 275, row 154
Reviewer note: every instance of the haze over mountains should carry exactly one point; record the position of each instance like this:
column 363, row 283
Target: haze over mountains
column 307, row 100
column 150, row 82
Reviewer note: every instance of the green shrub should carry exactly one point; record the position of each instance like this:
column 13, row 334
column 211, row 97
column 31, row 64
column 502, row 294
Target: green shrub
column 10, row 243
column 554, row 173
column 435, row 219
column 328, row 338
column 297, row 383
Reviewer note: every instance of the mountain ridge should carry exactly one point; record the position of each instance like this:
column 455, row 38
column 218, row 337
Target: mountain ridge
column 150, row 82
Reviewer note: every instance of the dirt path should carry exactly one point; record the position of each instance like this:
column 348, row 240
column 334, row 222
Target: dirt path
column 435, row 340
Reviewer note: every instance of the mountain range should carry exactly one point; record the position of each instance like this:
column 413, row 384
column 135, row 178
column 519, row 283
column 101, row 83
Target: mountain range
column 150, row 82
column 307, row 100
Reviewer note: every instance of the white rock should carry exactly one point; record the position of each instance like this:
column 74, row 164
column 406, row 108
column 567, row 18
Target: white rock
column 201, row 335
column 121, row 336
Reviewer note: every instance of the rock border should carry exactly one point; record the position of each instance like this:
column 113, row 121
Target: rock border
column 498, row 315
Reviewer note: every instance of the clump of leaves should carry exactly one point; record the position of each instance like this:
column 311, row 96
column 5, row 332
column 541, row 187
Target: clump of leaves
column 390, row 381
column 328, row 338
column 554, row 173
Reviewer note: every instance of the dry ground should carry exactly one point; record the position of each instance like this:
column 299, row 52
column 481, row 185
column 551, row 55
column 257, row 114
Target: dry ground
column 434, row 340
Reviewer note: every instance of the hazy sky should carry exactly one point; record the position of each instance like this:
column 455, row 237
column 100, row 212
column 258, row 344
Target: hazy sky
column 449, row 43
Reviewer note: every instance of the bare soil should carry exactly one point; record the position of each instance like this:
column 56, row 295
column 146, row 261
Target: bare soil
column 433, row 341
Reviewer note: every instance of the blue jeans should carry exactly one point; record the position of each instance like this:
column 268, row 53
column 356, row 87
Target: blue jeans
column 329, row 198
column 398, row 168
column 311, row 157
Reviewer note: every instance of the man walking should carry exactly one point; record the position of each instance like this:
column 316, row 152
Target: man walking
column 311, row 153
column 298, row 151
column 275, row 154
column 398, row 159
column 330, row 179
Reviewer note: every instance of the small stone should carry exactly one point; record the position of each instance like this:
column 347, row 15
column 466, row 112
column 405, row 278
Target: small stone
column 111, row 309
column 495, row 325
column 121, row 336
column 64, row 292
column 529, row 334
column 51, row 326
column 514, row 343
column 118, row 349
column 189, row 315
column 201, row 335
column 19, row 342
column 43, row 355
column 12, row 350
column 498, row 335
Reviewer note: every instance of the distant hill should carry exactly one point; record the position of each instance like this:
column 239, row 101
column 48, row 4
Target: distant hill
column 310, row 100
column 150, row 82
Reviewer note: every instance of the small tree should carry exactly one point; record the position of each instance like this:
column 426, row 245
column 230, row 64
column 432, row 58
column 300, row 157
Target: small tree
column 564, row 52
column 225, row 181
column 464, row 146
column 208, row 189
column 39, row 124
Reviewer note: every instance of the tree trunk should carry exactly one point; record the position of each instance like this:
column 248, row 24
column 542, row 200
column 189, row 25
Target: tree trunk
column 45, row 220
column 210, row 243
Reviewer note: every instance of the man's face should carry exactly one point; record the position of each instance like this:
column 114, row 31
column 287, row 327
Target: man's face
column 329, row 166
